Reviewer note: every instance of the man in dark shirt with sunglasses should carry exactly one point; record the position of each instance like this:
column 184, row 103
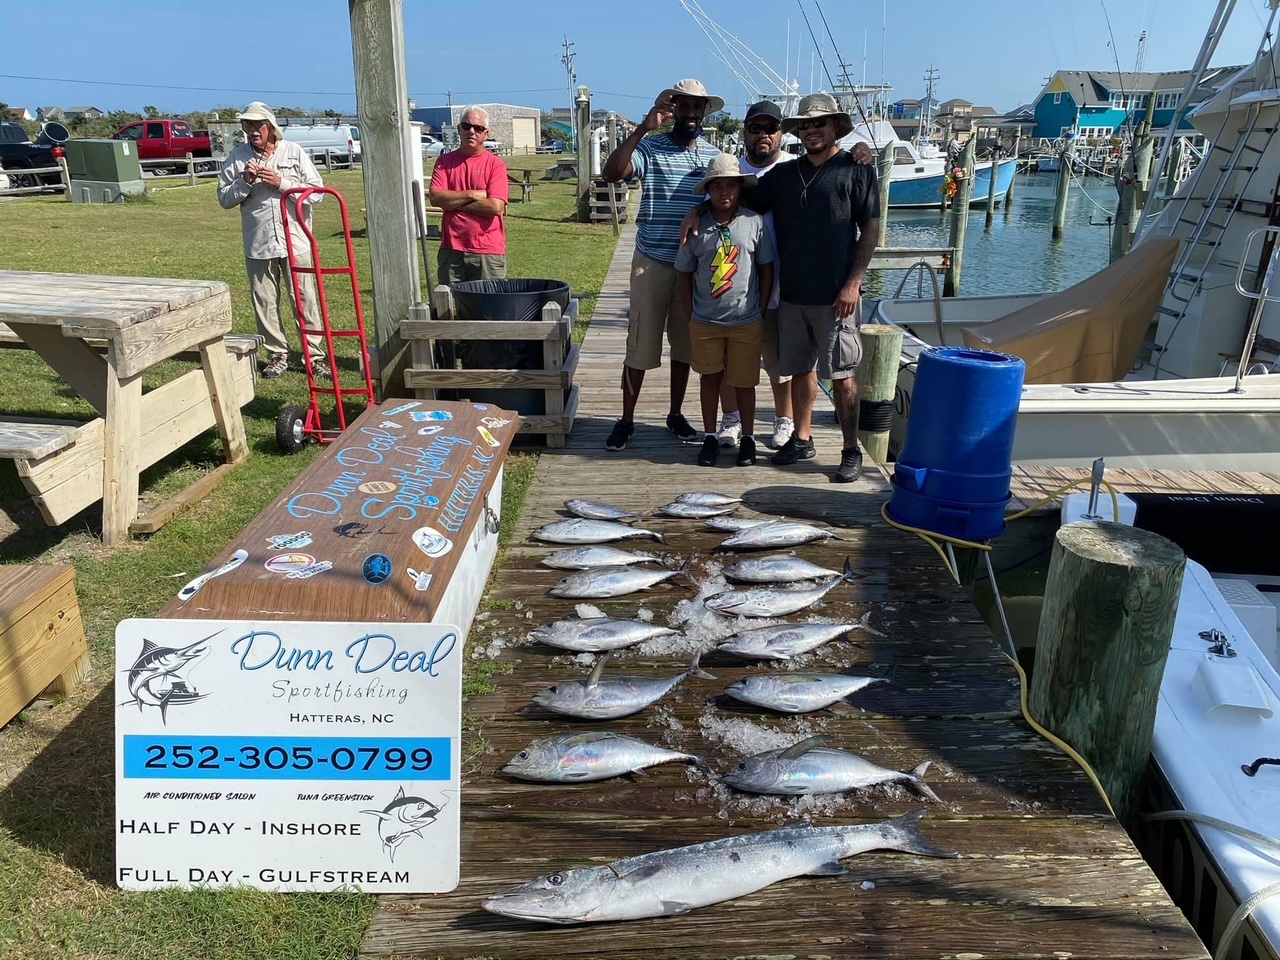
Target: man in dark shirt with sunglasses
column 470, row 185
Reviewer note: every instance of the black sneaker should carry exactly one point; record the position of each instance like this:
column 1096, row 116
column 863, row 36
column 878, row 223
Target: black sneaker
column 619, row 435
column 747, row 452
column 710, row 451
column 793, row 450
column 681, row 427
column 850, row 468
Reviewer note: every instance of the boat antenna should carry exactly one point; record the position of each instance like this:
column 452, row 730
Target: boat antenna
column 1124, row 98
column 856, row 99
column 821, row 58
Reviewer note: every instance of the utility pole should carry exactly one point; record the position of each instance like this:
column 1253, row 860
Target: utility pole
column 572, row 75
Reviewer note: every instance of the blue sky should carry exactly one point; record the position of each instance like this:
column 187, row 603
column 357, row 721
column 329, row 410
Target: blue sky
column 991, row 52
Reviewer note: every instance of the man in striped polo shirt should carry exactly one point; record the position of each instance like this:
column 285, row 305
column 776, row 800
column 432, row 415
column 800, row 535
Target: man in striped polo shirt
column 670, row 165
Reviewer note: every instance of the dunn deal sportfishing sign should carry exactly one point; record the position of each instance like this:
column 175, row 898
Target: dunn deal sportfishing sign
column 287, row 756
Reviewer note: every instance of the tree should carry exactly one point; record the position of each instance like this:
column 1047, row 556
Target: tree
column 728, row 126
column 151, row 113
column 7, row 113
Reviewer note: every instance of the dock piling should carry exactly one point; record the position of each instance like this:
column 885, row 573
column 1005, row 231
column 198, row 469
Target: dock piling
column 884, row 172
column 1066, row 165
column 991, row 189
column 960, row 221
column 1105, row 630
column 1008, row 197
column 877, row 378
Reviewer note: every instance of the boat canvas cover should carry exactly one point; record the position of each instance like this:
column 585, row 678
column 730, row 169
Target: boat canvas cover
column 1089, row 333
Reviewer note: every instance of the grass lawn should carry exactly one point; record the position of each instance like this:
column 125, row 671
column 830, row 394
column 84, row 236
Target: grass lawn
column 57, row 897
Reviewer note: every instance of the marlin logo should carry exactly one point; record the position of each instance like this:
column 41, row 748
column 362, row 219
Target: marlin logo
column 156, row 677
column 404, row 817
column 724, row 265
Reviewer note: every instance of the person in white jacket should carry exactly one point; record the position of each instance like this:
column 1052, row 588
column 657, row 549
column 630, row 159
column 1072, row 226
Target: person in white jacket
column 254, row 176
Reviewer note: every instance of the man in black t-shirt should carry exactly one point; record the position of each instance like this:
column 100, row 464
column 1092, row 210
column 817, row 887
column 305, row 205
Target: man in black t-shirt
column 826, row 211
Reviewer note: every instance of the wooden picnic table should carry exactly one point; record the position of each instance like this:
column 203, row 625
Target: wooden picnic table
column 69, row 466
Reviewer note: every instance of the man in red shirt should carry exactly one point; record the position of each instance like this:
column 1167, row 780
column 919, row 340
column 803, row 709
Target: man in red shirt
column 470, row 185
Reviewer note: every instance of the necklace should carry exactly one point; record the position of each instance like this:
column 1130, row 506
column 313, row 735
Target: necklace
column 805, row 184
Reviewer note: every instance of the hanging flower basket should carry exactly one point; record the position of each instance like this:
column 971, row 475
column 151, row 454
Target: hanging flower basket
column 951, row 182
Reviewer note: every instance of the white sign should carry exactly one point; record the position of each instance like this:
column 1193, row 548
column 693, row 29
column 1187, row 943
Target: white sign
column 288, row 756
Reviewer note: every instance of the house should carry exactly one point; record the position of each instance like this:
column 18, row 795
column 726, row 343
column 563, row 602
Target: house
column 1101, row 103
column 514, row 126
column 86, row 113
column 23, row 113
column 964, row 120
column 906, row 110
column 45, row 114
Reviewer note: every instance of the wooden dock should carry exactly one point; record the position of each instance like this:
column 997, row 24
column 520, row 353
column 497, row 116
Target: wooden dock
column 1032, row 484
column 1043, row 870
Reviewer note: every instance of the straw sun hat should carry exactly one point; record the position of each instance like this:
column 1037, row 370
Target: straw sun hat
column 260, row 111
column 691, row 88
column 723, row 167
column 819, row 105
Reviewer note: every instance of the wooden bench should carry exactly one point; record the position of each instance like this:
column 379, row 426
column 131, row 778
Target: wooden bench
column 525, row 184
column 42, row 643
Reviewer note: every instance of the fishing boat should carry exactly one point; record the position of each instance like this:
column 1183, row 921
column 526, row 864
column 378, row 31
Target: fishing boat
column 1166, row 358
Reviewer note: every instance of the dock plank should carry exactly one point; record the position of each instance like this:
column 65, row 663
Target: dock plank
column 1044, row 871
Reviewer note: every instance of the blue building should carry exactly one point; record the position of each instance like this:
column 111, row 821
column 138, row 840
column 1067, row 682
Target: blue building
column 1095, row 104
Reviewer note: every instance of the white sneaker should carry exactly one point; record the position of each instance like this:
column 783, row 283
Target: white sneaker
column 783, row 428
column 730, row 430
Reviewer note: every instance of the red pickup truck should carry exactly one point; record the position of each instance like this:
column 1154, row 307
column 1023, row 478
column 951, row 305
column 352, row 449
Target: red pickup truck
column 168, row 140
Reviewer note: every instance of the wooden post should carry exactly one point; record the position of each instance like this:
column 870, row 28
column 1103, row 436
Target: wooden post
column 995, row 180
column 583, row 107
column 885, row 172
column 1109, row 608
column 877, row 378
column 1171, row 172
column 959, row 222
column 65, row 174
column 1066, row 162
column 382, row 98
column 1017, row 146
column 1134, row 181
column 191, row 170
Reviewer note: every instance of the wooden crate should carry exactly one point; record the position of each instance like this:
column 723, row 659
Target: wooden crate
column 555, row 377
column 598, row 201
column 42, row 641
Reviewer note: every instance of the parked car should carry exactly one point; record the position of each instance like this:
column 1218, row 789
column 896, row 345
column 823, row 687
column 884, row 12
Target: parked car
column 162, row 139
column 341, row 139
column 19, row 152
column 492, row 144
column 552, row 146
column 431, row 146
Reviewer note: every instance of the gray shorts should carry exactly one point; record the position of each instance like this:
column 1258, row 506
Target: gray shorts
column 811, row 338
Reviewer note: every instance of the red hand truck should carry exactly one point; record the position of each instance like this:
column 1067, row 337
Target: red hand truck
column 295, row 426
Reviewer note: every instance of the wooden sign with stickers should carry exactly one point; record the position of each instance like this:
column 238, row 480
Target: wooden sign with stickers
column 376, row 529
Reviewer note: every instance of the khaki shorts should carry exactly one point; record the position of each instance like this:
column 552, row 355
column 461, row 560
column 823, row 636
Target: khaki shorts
column 654, row 308
column 735, row 350
column 769, row 346
column 455, row 266
column 811, row 338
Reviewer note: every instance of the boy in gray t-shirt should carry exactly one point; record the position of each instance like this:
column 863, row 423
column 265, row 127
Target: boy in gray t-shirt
column 724, row 275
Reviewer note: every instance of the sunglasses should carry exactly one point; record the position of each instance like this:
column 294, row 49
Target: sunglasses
column 817, row 123
column 468, row 127
column 759, row 128
column 251, row 124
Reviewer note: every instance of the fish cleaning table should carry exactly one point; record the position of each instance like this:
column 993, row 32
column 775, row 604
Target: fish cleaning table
column 70, row 466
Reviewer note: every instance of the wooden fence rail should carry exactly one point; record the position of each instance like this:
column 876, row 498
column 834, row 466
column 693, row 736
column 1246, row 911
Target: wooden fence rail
column 60, row 169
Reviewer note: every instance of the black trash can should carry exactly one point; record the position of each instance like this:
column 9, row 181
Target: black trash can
column 501, row 300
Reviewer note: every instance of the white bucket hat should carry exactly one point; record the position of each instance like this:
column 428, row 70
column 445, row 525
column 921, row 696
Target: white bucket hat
column 723, row 167
column 260, row 111
column 819, row 105
column 691, row 88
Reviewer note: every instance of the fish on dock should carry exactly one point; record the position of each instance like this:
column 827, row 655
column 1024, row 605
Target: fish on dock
column 584, row 558
column 708, row 499
column 695, row 511
column 775, row 601
column 789, row 640
column 601, row 582
column 597, row 634
column 598, row 698
column 595, row 510
column 801, row 692
column 782, row 533
column 681, row 879
column 580, row 531
column 777, row 568
column 585, row 757
column 810, row 767
column 734, row 524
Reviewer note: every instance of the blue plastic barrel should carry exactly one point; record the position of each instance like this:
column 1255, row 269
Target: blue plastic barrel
column 953, row 474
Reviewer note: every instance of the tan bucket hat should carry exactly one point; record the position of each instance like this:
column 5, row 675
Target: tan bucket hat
column 723, row 167
column 260, row 111
column 691, row 88
column 819, row 105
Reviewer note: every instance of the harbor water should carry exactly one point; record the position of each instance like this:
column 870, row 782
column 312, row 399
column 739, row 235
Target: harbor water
column 1017, row 255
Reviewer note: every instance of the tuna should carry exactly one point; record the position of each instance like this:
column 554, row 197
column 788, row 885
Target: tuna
column 789, row 639
column 810, row 767
column 694, row 511
column 783, row 533
column 583, row 757
column 595, row 510
column 684, row 878
column 584, row 558
column 597, row 698
column 596, row 634
column 800, row 692
column 578, row 531
column 599, row 582
column 779, row 568
column 734, row 524
column 774, row 601
column 708, row 499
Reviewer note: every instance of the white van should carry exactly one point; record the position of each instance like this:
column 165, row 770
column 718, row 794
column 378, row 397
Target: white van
column 342, row 140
